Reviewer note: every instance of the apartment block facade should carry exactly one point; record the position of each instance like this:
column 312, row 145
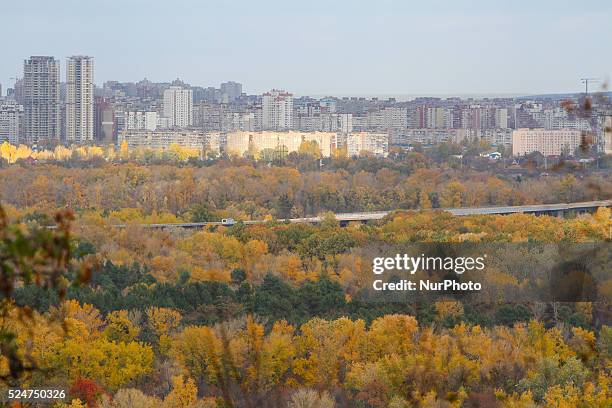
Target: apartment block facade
column 549, row 142
column 41, row 99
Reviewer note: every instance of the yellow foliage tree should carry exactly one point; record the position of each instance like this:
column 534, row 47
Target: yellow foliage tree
column 106, row 362
column 120, row 328
column 184, row 394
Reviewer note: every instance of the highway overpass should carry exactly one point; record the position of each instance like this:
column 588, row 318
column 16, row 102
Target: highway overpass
column 559, row 209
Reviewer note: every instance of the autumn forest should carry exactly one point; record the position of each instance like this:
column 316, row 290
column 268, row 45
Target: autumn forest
column 272, row 315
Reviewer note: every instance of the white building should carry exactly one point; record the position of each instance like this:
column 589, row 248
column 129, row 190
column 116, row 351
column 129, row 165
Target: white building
column 370, row 143
column 11, row 119
column 277, row 110
column 140, row 121
column 178, row 106
column 582, row 124
column 79, row 99
column 546, row 141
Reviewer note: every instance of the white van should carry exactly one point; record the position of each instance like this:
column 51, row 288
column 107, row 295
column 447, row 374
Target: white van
column 228, row 222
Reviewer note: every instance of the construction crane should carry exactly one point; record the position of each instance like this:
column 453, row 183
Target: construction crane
column 586, row 81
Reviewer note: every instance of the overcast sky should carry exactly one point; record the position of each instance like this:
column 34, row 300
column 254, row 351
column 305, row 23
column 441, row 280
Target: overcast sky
column 331, row 47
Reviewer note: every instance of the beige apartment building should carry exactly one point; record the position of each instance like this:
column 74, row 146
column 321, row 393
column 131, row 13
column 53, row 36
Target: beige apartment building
column 239, row 143
column 546, row 141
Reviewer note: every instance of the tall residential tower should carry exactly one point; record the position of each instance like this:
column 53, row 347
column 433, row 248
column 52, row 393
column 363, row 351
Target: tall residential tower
column 178, row 106
column 79, row 99
column 41, row 99
column 277, row 110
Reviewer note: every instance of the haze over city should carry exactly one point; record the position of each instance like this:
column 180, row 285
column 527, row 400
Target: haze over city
column 386, row 48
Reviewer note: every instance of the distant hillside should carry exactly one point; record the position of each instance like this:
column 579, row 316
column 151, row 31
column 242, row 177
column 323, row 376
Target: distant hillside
column 561, row 95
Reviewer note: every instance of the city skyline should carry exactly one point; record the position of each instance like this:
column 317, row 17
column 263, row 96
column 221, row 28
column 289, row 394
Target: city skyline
column 438, row 49
column 596, row 85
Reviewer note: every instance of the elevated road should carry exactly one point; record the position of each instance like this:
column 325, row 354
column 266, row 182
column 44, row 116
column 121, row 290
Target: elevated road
column 536, row 209
column 558, row 209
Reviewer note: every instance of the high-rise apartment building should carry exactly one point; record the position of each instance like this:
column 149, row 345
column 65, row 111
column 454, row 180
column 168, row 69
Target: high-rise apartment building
column 277, row 110
column 79, row 99
column 438, row 118
column 104, row 121
column 501, row 118
column 230, row 91
column 41, row 99
column 178, row 106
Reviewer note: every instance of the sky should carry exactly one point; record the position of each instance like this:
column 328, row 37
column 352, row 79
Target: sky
column 331, row 47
